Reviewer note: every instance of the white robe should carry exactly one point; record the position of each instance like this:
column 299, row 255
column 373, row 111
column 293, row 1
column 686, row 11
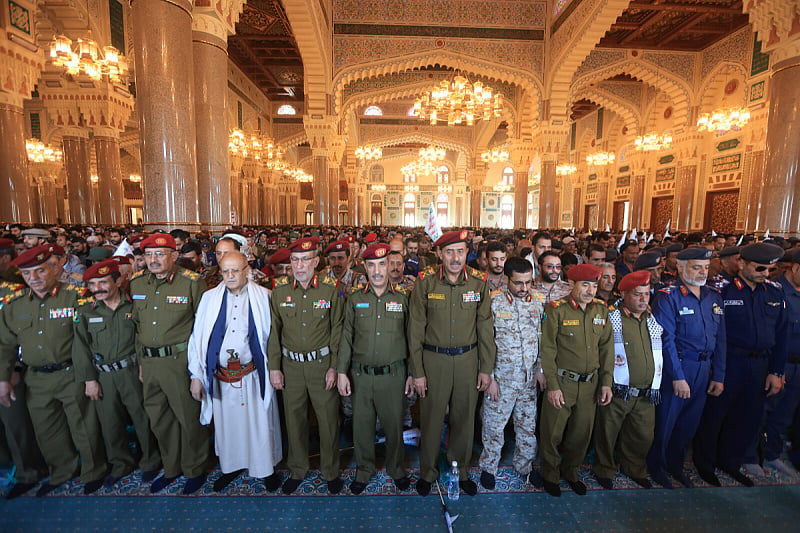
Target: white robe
column 247, row 429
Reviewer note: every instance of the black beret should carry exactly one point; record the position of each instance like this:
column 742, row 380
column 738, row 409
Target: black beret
column 762, row 253
column 694, row 252
column 647, row 260
column 627, row 243
column 673, row 248
column 658, row 250
column 611, row 255
column 729, row 251
column 792, row 255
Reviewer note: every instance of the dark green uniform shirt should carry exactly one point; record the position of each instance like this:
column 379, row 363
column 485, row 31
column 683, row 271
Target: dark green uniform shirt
column 577, row 340
column 374, row 329
column 43, row 328
column 105, row 336
column 638, row 348
column 164, row 309
column 305, row 320
column 446, row 315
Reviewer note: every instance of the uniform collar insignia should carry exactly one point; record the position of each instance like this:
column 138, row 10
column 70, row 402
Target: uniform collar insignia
column 171, row 277
column 573, row 303
column 366, row 287
column 738, row 283
column 54, row 290
column 684, row 290
column 529, row 297
column 314, row 281
column 391, row 287
column 625, row 310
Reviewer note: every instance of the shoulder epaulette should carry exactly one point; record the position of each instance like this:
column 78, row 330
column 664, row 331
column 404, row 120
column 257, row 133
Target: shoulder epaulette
column 477, row 274
column 599, row 301
column 85, row 301
column 14, row 295
column 10, row 286
column 355, row 288
column 401, row 289
column 327, row 280
column 80, row 291
column 280, row 282
column 188, row 274
column 666, row 290
column 426, row 271
column 138, row 274
column 556, row 303
column 774, row 284
column 612, row 308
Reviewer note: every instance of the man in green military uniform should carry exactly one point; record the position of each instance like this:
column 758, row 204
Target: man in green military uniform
column 303, row 351
column 105, row 334
column 451, row 343
column 165, row 299
column 39, row 321
column 373, row 351
column 577, row 354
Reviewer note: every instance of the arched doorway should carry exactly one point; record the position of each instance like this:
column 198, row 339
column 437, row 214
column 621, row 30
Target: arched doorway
column 507, row 211
column 309, row 214
column 442, row 207
column 376, row 210
column 409, row 210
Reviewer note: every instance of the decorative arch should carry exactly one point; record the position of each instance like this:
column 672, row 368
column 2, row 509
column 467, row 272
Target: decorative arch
column 293, row 140
column 421, row 138
column 615, row 104
column 679, row 92
column 709, row 88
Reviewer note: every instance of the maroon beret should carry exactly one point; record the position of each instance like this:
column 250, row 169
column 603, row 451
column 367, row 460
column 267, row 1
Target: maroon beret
column 452, row 237
column 376, row 251
column 56, row 249
column 101, row 270
column 6, row 243
column 35, row 256
column 306, row 244
column 337, row 246
column 158, row 240
column 371, row 237
column 121, row 259
column 634, row 279
column 585, row 272
column 280, row 257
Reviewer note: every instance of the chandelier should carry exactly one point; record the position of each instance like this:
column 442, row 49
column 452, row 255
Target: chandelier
column 417, row 168
column 94, row 178
column 445, row 189
column 411, row 188
column 298, row 174
column 458, row 101
column 566, row 170
column 502, row 187
column 378, row 188
column 432, row 153
column 135, row 178
column 495, row 155
column 653, row 141
column 599, row 159
column 86, row 57
column 368, row 152
column 264, row 150
column 724, row 120
column 38, row 152
column 237, row 144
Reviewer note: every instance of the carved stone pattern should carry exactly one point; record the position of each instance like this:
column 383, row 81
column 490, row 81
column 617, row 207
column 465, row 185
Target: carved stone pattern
column 631, row 92
column 460, row 135
column 570, row 28
column 503, row 13
column 679, row 64
column 599, row 59
column 284, row 131
column 736, row 48
column 724, row 206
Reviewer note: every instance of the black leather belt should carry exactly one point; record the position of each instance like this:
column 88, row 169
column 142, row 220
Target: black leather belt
column 624, row 392
column 377, row 370
column 116, row 365
column 165, row 351
column 575, row 376
column 458, row 350
column 694, row 356
column 49, row 369
column 305, row 357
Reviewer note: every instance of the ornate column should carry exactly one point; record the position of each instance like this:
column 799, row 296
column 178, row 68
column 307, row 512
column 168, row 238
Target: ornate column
column 49, row 200
column 235, row 164
column 210, row 30
column 476, row 179
column 522, row 154
column 15, row 200
column 319, row 170
column 548, row 140
column 79, row 186
column 109, row 173
column 327, row 148
column 602, row 204
column 162, row 33
column 637, row 202
column 683, row 205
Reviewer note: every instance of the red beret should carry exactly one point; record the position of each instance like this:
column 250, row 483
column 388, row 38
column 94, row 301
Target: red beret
column 585, row 272
column 350, row 239
column 6, row 243
column 272, row 240
column 56, row 249
column 35, row 256
column 101, row 269
column 267, row 271
column 249, row 234
column 337, row 246
column 121, row 259
column 633, row 280
column 452, row 237
column 306, row 244
column 376, row 251
column 280, row 257
column 371, row 237
column 158, row 240
column 133, row 239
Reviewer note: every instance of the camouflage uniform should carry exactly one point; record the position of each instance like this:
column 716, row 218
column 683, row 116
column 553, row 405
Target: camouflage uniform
column 496, row 288
column 517, row 325
column 556, row 292
column 349, row 280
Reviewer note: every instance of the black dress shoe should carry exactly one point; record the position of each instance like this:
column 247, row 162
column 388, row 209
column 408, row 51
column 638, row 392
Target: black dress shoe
column 46, row 489
column 290, row 485
column 642, row 482
column 683, row 479
column 535, row 479
column 662, row 479
column 272, row 482
column 469, row 487
column 92, row 487
column 193, row 484
column 19, row 489
column 423, row 487
column 160, row 483
column 403, row 483
column 605, row 482
column 553, row 489
column 577, row 487
column 149, row 475
column 709, row 477
column 357, row 487
column 487, row 480
column 335, row 486
column 739, row 477
column 110, row 481
column 226, row 479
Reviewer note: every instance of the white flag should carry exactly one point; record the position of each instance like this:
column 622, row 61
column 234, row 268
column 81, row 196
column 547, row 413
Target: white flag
column 622, row 240
column 713, row 233
column 432, row 225
column 666, row 230
column 739, row 242
column 766, row 234
column 634, row 235
column 124, row 248
column 608, row 228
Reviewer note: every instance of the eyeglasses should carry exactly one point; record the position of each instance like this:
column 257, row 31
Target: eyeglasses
column 301, row 259
column 158, row 254
column 551, row 267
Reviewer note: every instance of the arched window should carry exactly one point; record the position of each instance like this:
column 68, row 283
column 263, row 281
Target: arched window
column 443, row 174
column 508, row 176
column 286, row 109
column 409, row 210
column 442, row 205
column 376, row 174
column 507, row 212
column 373, row 111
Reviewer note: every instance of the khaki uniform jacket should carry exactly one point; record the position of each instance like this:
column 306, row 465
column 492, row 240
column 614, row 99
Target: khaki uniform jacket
column 104, row 335
column 449, row 316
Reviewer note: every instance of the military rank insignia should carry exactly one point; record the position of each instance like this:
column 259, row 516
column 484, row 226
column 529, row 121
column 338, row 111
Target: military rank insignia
column 322, row 304
column 599, row 321
column 62, row 312
column 394, row 307
column 177, row 299
column 471, row 296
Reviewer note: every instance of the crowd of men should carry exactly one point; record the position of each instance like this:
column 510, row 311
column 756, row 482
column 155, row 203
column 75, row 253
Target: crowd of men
column 645, row 347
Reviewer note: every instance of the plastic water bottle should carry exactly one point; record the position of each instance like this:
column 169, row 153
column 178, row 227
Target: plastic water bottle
column 453, row 489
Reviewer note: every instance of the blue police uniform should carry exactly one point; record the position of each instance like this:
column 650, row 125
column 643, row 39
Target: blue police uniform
column 720, row 280
column 782, row 409
column 694, row 350
column 757, row 328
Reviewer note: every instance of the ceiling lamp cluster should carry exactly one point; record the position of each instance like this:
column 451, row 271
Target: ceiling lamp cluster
column 653, row 141
column 298, row 174
column 566, row 170
column 38, row 152
column 432, row 153
column 262, row 149
column 444, row 189
column 459, row 101
column 600, row 159
column 86, row 57
column 724, row 120
column 368, row 152
column 377, row 188
column 495, row 155
column 502, row 187
column 417, row 168
column 412, row 188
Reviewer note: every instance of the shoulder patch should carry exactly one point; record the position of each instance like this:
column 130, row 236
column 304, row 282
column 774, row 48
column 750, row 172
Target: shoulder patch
column 599, row 301
column 327, row 280
column 355, row 288
column 138, row 274
column 188, row 274
column 773, row 284
column 280, row 282
column 556, row 303
column 477, row 274
column 401, row 289
column 13, row 296
column 85, row 301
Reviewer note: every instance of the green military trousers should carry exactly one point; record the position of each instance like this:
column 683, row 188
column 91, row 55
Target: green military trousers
column 20, row 438
column 627, row 427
